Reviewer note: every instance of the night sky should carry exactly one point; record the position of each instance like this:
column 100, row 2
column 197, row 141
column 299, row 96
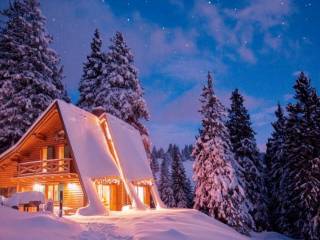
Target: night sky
column 256, row 46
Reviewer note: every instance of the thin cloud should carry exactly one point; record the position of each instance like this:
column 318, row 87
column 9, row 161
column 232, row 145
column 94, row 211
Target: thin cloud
column 257, row 18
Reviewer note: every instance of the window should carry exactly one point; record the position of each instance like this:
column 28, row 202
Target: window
column 67, row 152
column 104, row 194
column 38, row 187
column 53, row 192
column 47, row 153
column 50, row 152
column 140, row 192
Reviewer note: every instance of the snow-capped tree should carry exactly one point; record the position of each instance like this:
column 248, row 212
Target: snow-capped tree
column 300, row 198
column 165, row 189
column 251, row 170
column 30, row 71
column 120, row 92
column 180, row 187
column 190, row 193
column 275, row 163
column 93, row 68
column 218, row 192
column 186, row 153
column 154, row 164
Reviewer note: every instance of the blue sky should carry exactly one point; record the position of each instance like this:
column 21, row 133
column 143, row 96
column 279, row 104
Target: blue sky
column 254, row 45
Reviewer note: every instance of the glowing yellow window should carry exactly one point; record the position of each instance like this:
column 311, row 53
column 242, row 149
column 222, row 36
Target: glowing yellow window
column 53, row 192
column 140, row 193
column 104, row 194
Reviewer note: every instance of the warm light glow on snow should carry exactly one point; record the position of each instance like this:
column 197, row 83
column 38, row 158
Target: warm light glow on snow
column 126, row 208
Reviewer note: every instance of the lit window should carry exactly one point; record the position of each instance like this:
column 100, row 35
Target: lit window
column 140, row 192
column 38, row 188
column 104, row 193
column 53, row 192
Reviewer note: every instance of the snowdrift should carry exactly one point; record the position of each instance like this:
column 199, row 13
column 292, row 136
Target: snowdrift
column 164, row 224
column 15, row 225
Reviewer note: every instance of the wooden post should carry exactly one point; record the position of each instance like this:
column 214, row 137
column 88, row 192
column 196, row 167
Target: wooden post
column 61, row 203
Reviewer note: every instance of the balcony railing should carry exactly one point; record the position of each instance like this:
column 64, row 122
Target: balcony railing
column 44, row 167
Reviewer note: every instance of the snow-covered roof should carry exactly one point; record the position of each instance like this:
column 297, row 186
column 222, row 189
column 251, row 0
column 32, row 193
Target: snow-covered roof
column 89, row 144
column 130, row 150
column 87, row 141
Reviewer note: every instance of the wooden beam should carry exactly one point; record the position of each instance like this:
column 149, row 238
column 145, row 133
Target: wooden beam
column 40, row 136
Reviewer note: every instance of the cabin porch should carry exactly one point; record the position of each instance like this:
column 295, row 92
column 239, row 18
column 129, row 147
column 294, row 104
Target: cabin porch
column 51, row 185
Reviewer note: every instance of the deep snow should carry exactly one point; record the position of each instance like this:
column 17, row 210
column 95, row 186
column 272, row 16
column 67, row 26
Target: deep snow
column 166, row 224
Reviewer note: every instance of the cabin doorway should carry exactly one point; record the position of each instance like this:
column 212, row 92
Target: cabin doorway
column 143, row 192
column 104, row 192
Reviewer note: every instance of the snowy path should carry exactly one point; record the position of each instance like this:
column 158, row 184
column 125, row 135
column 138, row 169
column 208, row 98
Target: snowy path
column 171, row 224
column 101, row 231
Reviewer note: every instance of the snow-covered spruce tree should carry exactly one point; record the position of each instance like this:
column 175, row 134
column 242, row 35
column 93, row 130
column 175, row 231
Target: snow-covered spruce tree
column 251, row 170
column 165, row 189
column 92, row 71
column 190, row 193
column 154, row 164
column 217, row 191
column 300, row 199
column 275, row 164
column 180, row 185
column 120, row 92
column 186, row 153
column 30, row 71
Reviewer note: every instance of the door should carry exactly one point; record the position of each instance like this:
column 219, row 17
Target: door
column 104, row 194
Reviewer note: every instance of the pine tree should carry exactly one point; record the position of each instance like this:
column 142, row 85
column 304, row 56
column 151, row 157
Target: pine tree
column 186, row 153
column 165, row 189
column 180, row 186
column 154, row 165
column 300, row 200
column 275, row 168
column 251, row 171
column 93, row 68
column 189, row 193
column 30, row 72
column 120, row 92
column 217, row 191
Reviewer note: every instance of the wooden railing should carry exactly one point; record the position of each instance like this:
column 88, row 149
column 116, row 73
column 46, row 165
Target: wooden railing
column 43, row 167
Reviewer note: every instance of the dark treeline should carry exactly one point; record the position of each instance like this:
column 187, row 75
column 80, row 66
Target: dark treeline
column 170, row 174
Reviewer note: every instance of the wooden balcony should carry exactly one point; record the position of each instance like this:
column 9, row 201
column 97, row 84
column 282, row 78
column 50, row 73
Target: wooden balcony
column 44, row 167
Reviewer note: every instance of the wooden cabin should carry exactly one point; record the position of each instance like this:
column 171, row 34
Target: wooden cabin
column 97, row 162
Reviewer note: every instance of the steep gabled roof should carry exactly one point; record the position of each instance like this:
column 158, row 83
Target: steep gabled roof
column 129, row 148
column 87, row 141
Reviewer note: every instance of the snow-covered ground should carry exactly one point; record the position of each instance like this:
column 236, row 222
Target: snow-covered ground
column 153, row 224
column 15, row 225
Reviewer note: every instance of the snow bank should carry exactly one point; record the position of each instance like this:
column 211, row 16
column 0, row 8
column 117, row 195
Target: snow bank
column 15, row 225
column 165, row 224
column 24, row 198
